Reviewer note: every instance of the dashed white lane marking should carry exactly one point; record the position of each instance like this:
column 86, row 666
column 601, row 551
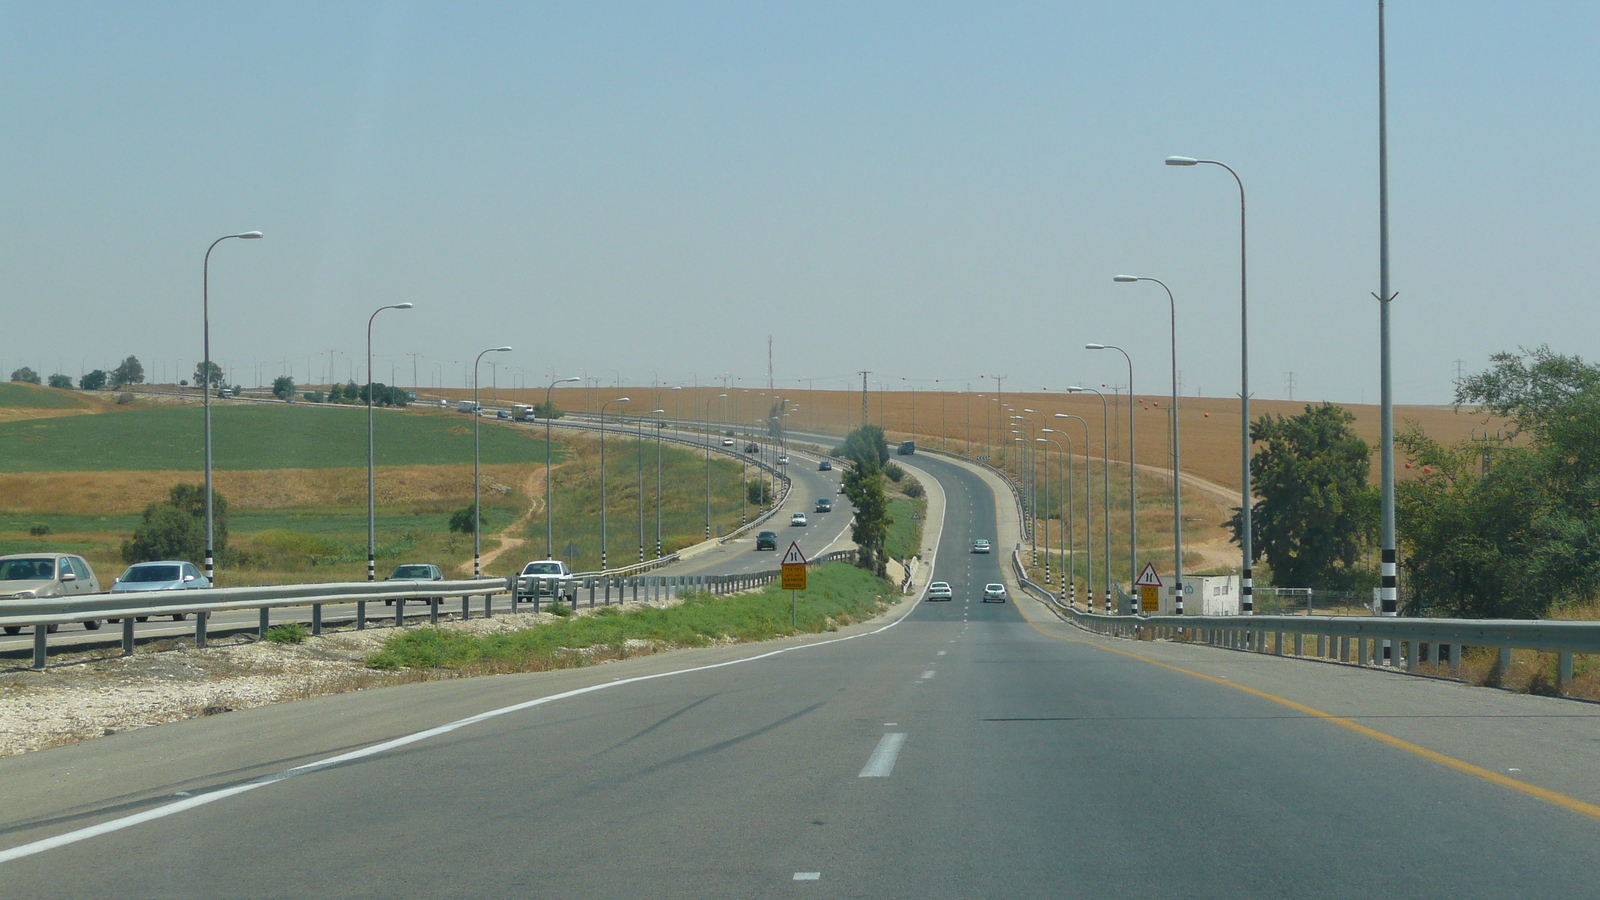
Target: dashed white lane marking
column 943, row 652
column 926, row 675
column 807, row 876
column 881, row 762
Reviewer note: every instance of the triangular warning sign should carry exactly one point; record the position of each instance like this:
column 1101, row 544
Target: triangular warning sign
column 794, row 557
column 1149, row 578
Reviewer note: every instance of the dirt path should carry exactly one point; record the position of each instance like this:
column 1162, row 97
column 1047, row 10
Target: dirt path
column 508, row 536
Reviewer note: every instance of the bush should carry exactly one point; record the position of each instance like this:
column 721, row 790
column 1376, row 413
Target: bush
column 556, row 609
column 913, row 489
column 283, row 387
column 893, row 472
column 25, row 375
column 288, row 633
column 177, row 529
column 759, row 493
column 461, row 520
column 61, row 381
column 124, row 398
column 313, row 396
column 94, row 381
column 39, row 530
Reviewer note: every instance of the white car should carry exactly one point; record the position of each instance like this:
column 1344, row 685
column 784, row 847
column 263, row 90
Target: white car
column 783, row 460
column 798, row 520
column 727, row 442
column 940, row 590
column 980, row 546
column 994, row 592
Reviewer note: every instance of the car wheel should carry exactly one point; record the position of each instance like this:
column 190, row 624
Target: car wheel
column 141, row 618
column 13, row 629
column 51, row 629
column 179, row 617
column 92, row 625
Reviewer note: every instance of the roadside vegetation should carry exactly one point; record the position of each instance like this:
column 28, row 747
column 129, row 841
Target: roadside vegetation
column 839, row 594
column 865, row 485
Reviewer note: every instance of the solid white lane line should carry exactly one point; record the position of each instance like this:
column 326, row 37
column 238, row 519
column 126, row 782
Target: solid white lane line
column 881, row 762
column 926, row 675
column 807, row 876
column 72, row 837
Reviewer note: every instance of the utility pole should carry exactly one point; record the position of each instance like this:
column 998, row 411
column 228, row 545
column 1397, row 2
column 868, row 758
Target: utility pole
column 865, row 415
column 769, row 364
column 1288, row 384
column 1000, row 395
column 1387, row 593
column 414, row 385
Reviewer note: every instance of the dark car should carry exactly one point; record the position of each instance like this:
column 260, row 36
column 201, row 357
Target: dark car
column 825, row 466
column 767, row 540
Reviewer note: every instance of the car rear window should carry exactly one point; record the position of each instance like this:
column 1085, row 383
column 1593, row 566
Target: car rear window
column 144, row 574
column 541, row 569
column 412, row 572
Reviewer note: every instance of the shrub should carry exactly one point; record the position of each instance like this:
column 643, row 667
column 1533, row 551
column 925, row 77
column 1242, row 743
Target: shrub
column 61, row 381
column 893, row 472
column 759, row 493
column 313, row 396
column 283, row 387
column 556, row 609
column 39, row 530
column 288, row 633
column 25, row 375
column 177, row 529
column 912, row 489
column 461, row 519
column 124, row 398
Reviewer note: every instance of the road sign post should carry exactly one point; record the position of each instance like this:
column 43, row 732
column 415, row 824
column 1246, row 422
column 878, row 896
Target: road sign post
column 794, row 579
column 1149, row 584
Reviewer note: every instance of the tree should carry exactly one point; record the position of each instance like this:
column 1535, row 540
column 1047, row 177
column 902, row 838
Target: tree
column 1316, row 513
column 863, row 484
column 129, row 371
column 283, row 387
column 61, row 381
column 382, row 395
column 25, row 375
column 217, row 378
column 94, row 381
column 462, row 520
column 758, row 492
column 177, row 529
column 547, row 409
column 1522, row 533
column 336, row 394
column 864, row 444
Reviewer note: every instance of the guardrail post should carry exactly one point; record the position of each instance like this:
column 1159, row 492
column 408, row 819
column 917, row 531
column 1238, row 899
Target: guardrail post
column 1418, row 649
column 1563, row 672
column 200, row 629
column 1322, row 646
column 433, row 610
column 40, row 648
column 316, row 618
column 127, row 635
column 1505, row 662
column 361, row 615
column 608, row 590
column 488, row 608
column 263, row 622
column 591, row 593
column 466, row 607
column 636, row 589
column 513, row 599
column 1277, row 643
column 1455, row 660
column 1299, row 644
column 399, row 611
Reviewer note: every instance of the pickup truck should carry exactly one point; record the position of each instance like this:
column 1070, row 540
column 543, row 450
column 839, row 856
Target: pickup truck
column 544, row 578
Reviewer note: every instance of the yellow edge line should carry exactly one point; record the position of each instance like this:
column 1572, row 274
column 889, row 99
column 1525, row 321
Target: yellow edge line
column 1571, row 804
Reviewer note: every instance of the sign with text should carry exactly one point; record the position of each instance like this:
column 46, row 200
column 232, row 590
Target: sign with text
column 794, row 569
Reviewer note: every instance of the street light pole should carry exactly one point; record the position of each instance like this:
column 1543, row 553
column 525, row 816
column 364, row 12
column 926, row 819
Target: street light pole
column 658, row 465
column 1105, row 479
column 1387, row 598
column 477, row 510
column 205, row 369
column 549, row 495
column 1064, row 473
column 1177, row 493
column 708, row 461
column 1133, row 535
column 1047, row 507
column 1088, row 517
column 1246, row 588
column 603, row 406
column 372, row 530
column 639, row 429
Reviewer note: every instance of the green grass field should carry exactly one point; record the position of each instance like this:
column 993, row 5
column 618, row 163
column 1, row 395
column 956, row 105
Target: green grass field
column 252, row 437
column 905, row 533
column 838, row 593
column 30, row 396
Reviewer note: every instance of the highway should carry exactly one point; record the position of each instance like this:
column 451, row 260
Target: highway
column 735, row 556
column 948, row 750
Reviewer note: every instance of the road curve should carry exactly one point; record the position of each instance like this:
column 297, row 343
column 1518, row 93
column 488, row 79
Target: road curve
column 962, row 752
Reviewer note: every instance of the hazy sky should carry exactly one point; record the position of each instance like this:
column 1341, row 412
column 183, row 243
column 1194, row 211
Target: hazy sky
column 924, row 190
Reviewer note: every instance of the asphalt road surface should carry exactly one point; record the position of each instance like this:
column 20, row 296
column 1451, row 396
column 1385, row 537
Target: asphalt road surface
column 960, row 750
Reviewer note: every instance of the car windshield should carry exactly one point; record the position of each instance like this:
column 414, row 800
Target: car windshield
column 27, row 569
column 145, row 574
column 542, row 568
column 412, row 572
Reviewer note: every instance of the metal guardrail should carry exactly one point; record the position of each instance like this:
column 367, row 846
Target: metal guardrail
column 42, row 615
column 1383, row 641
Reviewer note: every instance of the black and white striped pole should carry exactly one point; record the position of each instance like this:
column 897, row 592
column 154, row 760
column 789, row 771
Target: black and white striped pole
column 1387, row 593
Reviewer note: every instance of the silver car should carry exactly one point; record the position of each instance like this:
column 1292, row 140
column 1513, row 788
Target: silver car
column 25, row 576
column 164, row 575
